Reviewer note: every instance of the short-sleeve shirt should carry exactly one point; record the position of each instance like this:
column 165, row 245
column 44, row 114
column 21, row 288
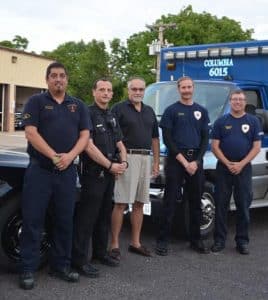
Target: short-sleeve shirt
column 186, row 123
column 236, row 135
column 138, row 127
column 58, row 124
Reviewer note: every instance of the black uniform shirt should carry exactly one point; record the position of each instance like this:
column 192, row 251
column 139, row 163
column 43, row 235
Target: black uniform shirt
column 105, row 133
column 138, row 128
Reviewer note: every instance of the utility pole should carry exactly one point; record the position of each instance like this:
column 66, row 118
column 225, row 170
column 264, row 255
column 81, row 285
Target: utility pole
column 156, row 45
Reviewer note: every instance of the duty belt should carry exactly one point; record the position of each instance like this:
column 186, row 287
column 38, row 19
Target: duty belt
column 139, row 151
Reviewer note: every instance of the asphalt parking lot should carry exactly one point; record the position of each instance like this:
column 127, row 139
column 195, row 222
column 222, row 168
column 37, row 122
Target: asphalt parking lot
column 183, row 274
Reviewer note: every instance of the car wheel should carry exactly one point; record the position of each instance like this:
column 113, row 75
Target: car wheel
column 10, row 230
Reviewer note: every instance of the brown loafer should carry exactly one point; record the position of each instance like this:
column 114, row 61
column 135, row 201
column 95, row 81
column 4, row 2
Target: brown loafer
column 115, row 253
column 139, row 250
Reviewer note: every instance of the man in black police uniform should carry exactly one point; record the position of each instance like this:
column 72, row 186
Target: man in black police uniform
column 185, row 133
column 140, row 130
column 235, row 142
column 104, row 157
column 57, row 130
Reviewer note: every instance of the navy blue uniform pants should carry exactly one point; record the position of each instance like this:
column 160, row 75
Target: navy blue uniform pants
column 40, row 187
column 93, row 216
column 241, row 187
column 176, row 177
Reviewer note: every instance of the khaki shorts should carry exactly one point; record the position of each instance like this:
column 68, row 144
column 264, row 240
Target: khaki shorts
column 134, row 184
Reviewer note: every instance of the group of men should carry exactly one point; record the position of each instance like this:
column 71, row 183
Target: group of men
column 114, row 147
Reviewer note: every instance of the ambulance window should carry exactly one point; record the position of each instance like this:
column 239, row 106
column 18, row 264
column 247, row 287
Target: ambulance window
column 253, row 98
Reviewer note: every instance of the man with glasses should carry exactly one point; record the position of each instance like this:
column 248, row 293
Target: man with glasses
column 235, row 142
column 140, row 135
column 57, row 129
column 185, row 132
column 103, row 159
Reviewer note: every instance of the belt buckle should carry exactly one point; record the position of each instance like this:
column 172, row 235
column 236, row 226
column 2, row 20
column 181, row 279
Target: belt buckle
column 190, row 152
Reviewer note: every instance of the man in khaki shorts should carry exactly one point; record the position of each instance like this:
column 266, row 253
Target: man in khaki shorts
column 140, row 135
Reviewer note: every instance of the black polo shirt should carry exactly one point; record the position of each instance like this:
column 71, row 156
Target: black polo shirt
column 138, row 128
column 58, row 124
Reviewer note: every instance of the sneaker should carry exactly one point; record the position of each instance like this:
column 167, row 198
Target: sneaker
column 26, row 280
column 217, row 247
column 242, row 249
column 161, row 249
column 65, row 274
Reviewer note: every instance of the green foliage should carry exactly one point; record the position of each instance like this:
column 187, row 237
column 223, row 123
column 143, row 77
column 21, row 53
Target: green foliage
column 19, row 42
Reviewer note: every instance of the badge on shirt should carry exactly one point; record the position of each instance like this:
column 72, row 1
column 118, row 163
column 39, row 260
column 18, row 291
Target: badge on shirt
column 72, row 107
column 228, row 127
column 197, row 114
column 49, row 107
column 245, row 128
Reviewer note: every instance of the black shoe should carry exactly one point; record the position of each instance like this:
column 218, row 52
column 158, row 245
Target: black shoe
column 161, row 249
column 88, row 270
column 26, row 280
column 242, row 249
column 108, row 260
column 200, row 247
column 65, row 274
column 217, row 247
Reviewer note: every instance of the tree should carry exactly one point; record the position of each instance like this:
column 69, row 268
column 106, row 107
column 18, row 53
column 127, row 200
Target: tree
column 18, row 42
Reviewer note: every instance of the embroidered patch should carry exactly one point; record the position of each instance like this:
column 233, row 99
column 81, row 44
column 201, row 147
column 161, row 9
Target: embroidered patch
column 197, row 114
column 180, row 114
column 245, row 128
column 228, row 127
column 72, row 107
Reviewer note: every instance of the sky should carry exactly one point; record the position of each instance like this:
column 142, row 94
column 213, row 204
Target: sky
column 47, row 24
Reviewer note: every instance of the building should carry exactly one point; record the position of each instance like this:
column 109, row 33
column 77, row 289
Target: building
column 22, row 74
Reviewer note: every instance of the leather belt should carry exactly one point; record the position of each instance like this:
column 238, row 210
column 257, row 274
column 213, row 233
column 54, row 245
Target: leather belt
column 139, row 151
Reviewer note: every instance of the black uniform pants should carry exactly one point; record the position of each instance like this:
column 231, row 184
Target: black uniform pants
column 93, row 216
column 176, row 176
column 241, row 187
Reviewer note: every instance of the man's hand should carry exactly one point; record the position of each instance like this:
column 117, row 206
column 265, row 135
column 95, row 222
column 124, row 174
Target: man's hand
column 191, row 167
column 62, row 160
column 118, row 168
column 235, row 167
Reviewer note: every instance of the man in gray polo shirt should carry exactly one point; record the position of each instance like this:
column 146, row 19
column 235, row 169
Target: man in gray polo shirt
column 140, row 135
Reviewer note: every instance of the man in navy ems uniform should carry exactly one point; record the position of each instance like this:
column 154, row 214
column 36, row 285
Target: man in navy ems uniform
column 57, row 129
column 185, row 132
column 103, row 159
column 235, row 142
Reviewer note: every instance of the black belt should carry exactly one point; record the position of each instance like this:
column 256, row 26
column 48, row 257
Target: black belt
column 189, row 152
column 139, row 151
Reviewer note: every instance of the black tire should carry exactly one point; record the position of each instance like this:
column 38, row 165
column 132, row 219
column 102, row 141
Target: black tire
column 10, row 229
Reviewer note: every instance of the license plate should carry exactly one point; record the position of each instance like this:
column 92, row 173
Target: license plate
column 146, row 209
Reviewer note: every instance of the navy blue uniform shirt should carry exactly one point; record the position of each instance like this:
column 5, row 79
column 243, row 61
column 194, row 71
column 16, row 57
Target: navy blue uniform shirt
column 138, row 128
column 58, row 124
column 236, row 135
column 185, row 123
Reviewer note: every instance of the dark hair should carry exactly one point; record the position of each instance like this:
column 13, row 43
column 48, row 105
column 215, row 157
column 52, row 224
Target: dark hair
column 184, row 78
column 100, row 79
column 55, row 64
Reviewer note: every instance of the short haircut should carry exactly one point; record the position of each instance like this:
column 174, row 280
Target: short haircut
column 184, row 78
column 237, row 92
column 55, row 64
column 134, row 78
column 100, row 79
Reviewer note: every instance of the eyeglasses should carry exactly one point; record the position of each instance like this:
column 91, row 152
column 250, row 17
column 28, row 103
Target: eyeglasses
column 137, row 89
column 238, row 99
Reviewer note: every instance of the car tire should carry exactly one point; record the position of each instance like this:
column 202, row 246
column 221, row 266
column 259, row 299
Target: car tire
column 10, row 229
